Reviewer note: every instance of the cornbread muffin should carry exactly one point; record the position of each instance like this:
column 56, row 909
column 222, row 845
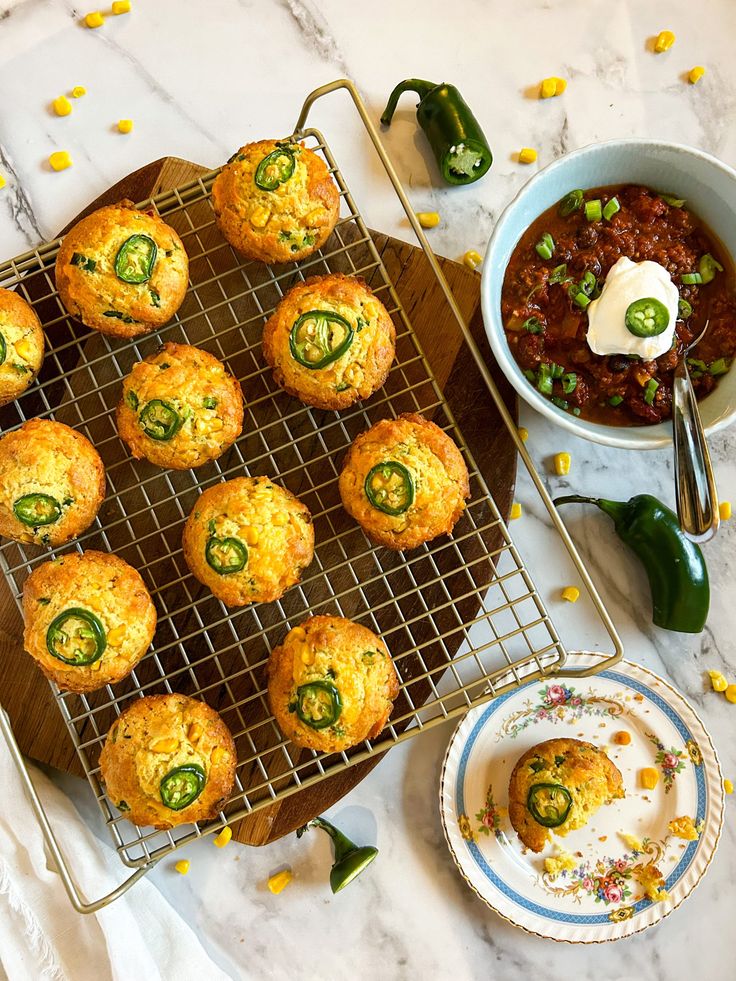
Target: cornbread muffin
column 275, row 201
column 330, row 341
column 180, row 408
column 331, row 684
column 248, row 540
column 21, row 345
column 122, row 271
column 558, row 785
column 89, row 619
column 52, row 483
column 168, row 760
column 404, row 481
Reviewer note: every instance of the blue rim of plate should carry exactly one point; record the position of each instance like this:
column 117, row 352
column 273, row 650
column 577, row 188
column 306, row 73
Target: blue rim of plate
column 527, row 904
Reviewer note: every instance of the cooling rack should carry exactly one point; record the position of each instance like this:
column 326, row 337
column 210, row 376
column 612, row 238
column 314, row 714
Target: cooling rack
column 460, row 615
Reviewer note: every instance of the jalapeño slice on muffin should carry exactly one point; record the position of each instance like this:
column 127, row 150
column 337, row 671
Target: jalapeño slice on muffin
column 159, row 420
column 225, row 555
column 549, row 803
column 389, row 487
column 318, row 704
column 76, row 636
column 182, row 786
column 275, row 168
column 320, row 337
column 135, row 259
column 36, row 510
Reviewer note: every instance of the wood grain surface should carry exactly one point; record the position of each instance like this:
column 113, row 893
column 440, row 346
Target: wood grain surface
column 25, row 694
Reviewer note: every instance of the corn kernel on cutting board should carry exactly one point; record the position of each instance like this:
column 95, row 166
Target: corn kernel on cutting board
column 24, row 692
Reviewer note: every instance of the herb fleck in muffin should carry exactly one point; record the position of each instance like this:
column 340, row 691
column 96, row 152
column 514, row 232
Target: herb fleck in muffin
column 89, row 619
column 168, row 760
column 404, row 481
column 122, row 271
column 52, row 483
column 21, row 345
column 558, row 785
column 180, row 408
column 248, row 540
column 331, row 684
column 275, row 201
column 330, row 341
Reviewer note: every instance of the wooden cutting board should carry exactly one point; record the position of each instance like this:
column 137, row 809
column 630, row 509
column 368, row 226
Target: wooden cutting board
column 25, row 694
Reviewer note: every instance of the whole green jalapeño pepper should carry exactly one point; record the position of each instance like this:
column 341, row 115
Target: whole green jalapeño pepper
column 549, row 804
column 458, row 143
column 76, row 637
column 182, row 786
column 675, row 567
column 350, row 859
column 318, row 704
column 135, row 259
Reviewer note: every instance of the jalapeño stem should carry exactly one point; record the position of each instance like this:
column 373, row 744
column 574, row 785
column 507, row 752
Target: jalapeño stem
column 76, row 637
column 350, row 860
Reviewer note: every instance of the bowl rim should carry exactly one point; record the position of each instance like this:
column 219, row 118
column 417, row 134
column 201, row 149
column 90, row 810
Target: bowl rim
column 653, row 437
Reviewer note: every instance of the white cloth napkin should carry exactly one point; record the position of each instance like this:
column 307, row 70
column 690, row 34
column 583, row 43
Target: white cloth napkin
column 140, row 937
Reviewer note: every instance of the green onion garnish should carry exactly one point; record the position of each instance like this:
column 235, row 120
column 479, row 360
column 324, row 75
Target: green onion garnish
column 576, row 411
column 691, row 279
column 615, row 400
column 593, row 209
column 650, row 390
column 533, row 325
column 571, row 202
column 581, row 299
column 530, row 376
column 611, row 208
column 588, row 283
column 708, row 267
column 556, row 370
column 672, row 200
column 700, row 366
column 560, row 403
column 569, row 382
column 719, row 367
column 558, row 274
column 544, row 381
column 684, row 309
column 545, row 247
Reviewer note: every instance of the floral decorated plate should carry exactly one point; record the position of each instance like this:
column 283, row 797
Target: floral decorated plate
column 603, row 896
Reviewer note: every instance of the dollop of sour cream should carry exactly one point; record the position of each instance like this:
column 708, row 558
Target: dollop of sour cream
column 626, row 282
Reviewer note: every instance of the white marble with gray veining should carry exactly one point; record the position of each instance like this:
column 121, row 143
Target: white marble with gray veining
column 199, row 79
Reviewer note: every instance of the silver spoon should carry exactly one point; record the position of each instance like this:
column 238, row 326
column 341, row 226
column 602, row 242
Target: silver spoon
column 695, row 485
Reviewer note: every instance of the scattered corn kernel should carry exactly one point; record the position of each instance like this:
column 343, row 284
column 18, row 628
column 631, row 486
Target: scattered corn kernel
column 2, row 181
column 551, row 86
column 169, row 745
column 280, row 519
column 560, row 85
column 218, row 755
column 648, row 777
column 562, row 464
column 724, row 510
column 121, row 7
column 695, row 74
column 115, row 636
column 527, row 155
column 60, row 160
column 62, row 106
column 78, row 91
column 182, row 866
column 571, row 594
column 622, row 738
column 516, row 511
column 472, row 259
column 249, row 535
column 95, row 19
column 278, row 882
column 224, row 837
column 631, row 841
column 125, row 125
column 664, row 41
column 23, row 349
column 523, row 434
column 684, row 827
column 728, row 786
column 306, row 654
column 298, row 633
column 428, row 219
column 717, row 681
column 194, row 732
column 730, row 694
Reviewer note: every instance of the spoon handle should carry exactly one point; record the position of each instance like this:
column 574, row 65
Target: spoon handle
column 695, row 486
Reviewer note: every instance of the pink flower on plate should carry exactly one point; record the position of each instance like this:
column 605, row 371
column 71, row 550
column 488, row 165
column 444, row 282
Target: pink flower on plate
column 488, row 818
column 587, row 883
column 576, row 701
column 669, row 761
column 613, row 892
column 621, row 864
column 556, row 694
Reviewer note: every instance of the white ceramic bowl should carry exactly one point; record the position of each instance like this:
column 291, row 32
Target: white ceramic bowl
column 709, row 187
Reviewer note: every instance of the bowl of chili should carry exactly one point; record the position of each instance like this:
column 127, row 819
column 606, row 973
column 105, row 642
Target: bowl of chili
column 547, row 262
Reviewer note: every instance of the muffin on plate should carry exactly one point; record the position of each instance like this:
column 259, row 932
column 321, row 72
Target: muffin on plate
column 248, row 540
column 275, row 201
column 52, row 483
column 180, row 408
column 89, row 619
column 21, row 345
column 558, row 785
column 331, row 684
column 122, row 271
column 330, row 341
column 168, row 760
column 404, row 481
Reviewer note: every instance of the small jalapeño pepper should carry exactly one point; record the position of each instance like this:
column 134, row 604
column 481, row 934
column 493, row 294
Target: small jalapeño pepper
column 549, row 804
column 275, row 168
column 318, row 704
column 320, row 337
column 76, row 637
column 389, row 487
column 647, row 317
column 675, row 567
column 225, row 555
column 350, row 860
column 182, row 786
column 458, row 143
column 159, row 420
column 135, row 259
column 35, row 510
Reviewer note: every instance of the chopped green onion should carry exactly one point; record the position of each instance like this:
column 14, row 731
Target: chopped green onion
column 571, row 202
column 581, row 299
column 569, row 382
column 650, row 390
column 707, row 267
column 698, row 365
column 588, row 283
column 615, row 400
column 719, row 367
column 691, row 279
column 684, row 309
column 560, row 403
column 558, row 274
column 593, row 209
column 672, row 200
column 576, row 411
column 544, row 381
column 611, row 208
column 533, row 325
column 556, row 370
column 545, row 247
column 530, row 376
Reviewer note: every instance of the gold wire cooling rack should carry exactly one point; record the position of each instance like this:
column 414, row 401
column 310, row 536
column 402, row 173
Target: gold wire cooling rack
column 460, row 615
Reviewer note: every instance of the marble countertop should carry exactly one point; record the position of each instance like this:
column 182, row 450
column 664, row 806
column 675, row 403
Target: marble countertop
column 200, row 79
